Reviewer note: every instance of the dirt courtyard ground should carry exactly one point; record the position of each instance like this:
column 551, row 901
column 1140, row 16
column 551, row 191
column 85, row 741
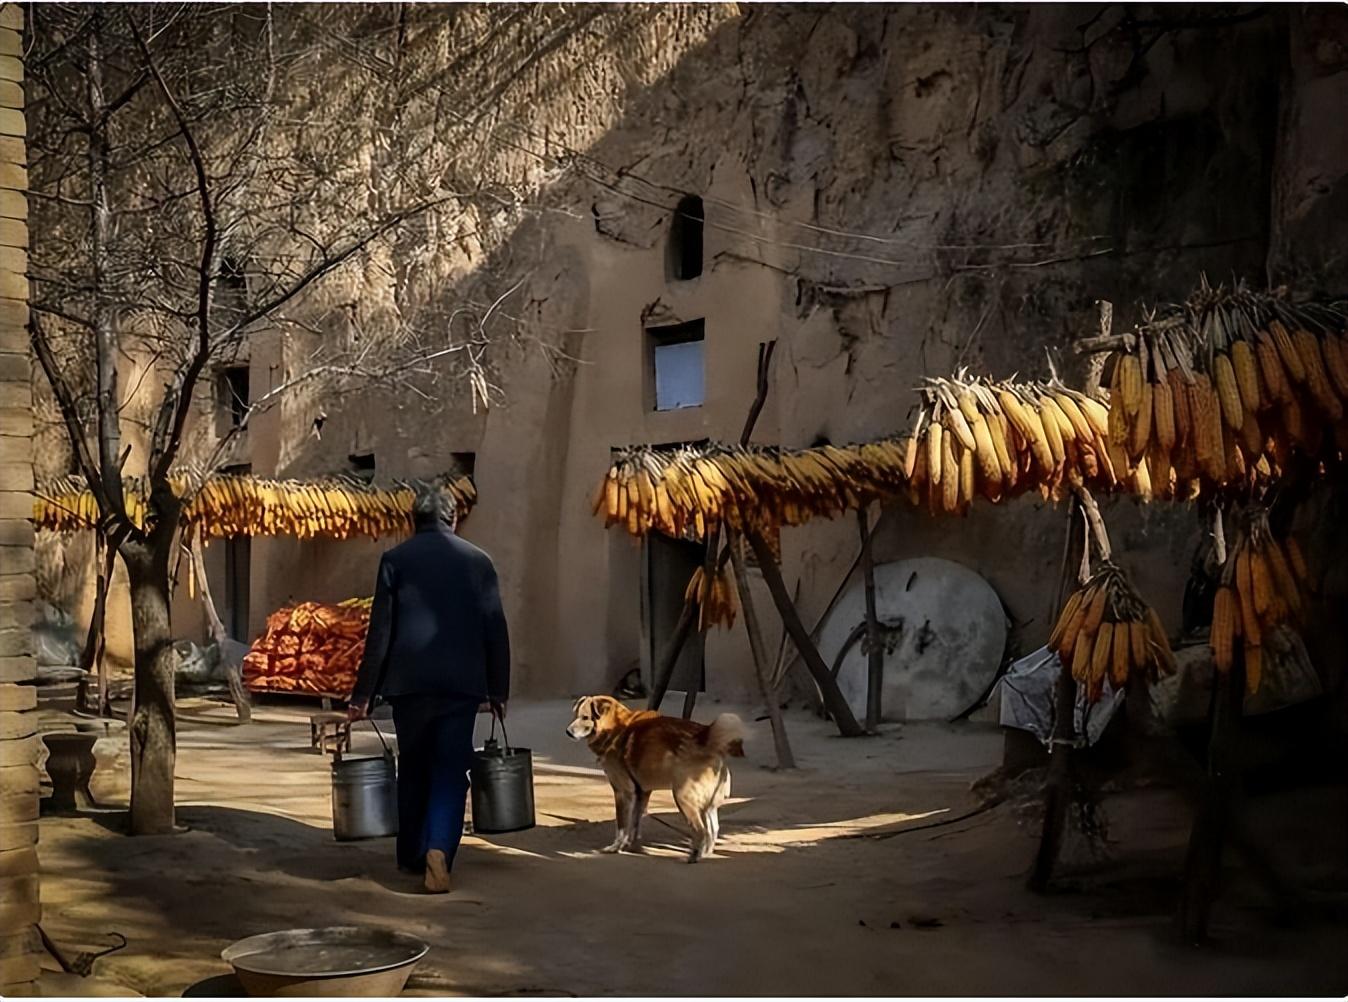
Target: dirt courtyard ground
column 799, row 901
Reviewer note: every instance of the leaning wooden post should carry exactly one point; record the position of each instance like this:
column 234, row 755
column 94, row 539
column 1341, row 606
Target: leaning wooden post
column 834, row 703
column 1058, row 782
column 664, row 669
column 875, row 655
column 242, row 705
column 780, row 742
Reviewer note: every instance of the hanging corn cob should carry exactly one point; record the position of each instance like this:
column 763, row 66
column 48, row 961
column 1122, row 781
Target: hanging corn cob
column 689, row 491
column 1106, row 632
column 221, row 506
column 1239, row 383
column 1261, row 590
column 999, row 440
column 715, row 600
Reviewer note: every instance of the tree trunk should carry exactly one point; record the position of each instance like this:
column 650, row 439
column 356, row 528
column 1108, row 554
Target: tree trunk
column 834, row 703
column 152, row 730
column 780, row 742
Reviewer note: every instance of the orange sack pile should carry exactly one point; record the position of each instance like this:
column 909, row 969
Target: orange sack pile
column 311, row 648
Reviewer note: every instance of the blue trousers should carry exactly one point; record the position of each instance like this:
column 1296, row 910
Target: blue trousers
column 435, row 749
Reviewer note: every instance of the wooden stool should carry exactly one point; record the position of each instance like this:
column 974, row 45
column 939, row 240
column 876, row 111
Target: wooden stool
column 328, row 727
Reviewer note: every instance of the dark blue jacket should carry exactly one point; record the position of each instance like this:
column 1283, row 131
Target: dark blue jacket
column 436, row 625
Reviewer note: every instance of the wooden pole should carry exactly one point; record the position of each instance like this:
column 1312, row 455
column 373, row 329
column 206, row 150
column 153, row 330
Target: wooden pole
column 1208, row 838
column 1058, row 782
column 242, row 705
column 664, row 668
column 781, row 743
column 834, row 703
column 875, row 655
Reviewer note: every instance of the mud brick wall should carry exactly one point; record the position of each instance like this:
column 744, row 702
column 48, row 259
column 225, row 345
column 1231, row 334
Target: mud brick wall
column 19, row 902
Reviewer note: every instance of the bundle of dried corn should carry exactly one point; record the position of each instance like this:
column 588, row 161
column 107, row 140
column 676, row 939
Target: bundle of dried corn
column 690, row 490
column 310, row 648
column 975, row 437
column 714, row 598
column 1106, row 631
column 1260, row 593
column 224, row 505
column 1219, row 393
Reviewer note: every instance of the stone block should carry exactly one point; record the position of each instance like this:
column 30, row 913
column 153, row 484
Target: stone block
column 13, row 205
column 18, row 809
column 19, row 770
column 11, row 43
column 17, row 613
column 17, row 726
column 18, row 836
column 11, row 68
column 14, row 532
column 16, row 477
column 12, row 123
column 16, row 559
column 17, row 863
column 13, row 259
column 17, row 422
column 14, row 504
column 19, row 942
column 15, row 367
column 13, row 284
column 19, row 668
column 13, row 233
column 19, row 902
column 13, row 150
column 14, row 642
column 15, row 395
column 15, row 447
column 17, row 697
column 11, row 16
column 21, row 970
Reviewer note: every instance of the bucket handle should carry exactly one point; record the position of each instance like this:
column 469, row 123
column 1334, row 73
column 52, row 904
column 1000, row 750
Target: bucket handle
column 380, row 734
column 495, row 716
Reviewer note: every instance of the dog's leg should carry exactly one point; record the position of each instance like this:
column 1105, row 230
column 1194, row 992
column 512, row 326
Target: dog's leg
column 643, row 798
column 686, row 797
column 624, row 802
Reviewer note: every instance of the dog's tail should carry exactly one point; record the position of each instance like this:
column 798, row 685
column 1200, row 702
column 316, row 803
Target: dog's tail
column 725, row 736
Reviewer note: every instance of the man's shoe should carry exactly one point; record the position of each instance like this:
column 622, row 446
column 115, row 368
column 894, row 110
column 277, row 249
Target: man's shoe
column 437, row 872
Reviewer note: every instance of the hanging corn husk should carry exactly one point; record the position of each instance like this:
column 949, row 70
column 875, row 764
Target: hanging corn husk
column 1262, row 589
column 221, row 506
column 1221, row 392
column 715, row 599
column 1106, row 631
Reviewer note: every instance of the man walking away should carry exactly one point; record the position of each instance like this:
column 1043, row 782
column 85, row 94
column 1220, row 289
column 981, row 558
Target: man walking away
column 439, row 652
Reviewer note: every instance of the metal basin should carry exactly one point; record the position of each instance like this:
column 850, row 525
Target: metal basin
column 344, row 961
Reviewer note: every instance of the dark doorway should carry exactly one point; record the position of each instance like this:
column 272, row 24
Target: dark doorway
column 670, row 565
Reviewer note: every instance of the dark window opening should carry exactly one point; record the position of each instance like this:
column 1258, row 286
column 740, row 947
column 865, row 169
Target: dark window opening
column 362, row 465
column 685, row 239
column 234, row 398
column 678, row 372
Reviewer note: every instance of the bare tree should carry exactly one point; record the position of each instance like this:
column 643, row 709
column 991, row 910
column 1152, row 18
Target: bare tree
column 181, row 209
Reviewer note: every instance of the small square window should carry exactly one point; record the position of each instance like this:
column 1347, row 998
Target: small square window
column 678, row 362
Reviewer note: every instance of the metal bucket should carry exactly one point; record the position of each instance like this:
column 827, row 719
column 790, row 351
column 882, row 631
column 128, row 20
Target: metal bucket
column 364, row 796
column 503, row 786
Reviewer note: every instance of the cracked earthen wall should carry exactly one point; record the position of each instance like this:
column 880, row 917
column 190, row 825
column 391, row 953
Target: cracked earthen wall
column 890, row 192
column 20, row 949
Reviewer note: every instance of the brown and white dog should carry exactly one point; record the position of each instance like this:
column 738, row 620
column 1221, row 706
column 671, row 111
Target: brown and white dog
column 642, row 751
